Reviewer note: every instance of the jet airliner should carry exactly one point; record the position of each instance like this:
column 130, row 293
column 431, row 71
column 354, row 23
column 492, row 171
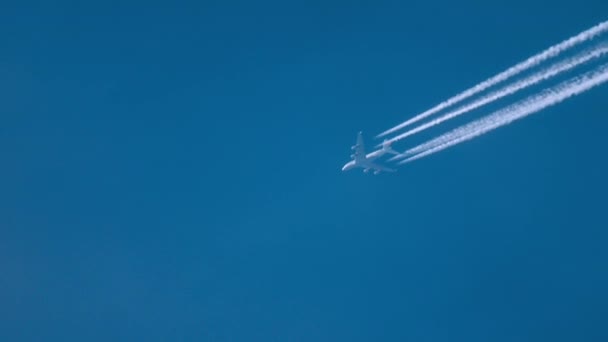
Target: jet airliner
column 366, row 161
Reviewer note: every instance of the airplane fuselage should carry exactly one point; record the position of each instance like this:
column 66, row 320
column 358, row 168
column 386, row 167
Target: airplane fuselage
column 363, row 162
column 366, row 161
column 349, row 166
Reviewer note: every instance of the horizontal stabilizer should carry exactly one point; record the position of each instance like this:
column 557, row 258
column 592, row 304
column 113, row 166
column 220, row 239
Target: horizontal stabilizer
column 386, row 147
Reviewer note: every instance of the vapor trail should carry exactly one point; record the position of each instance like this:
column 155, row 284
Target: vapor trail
column 546, row 98
column 505, row 116
column 536, row 78
column 514, row 70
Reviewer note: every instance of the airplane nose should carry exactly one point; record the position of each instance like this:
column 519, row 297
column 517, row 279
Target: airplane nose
column 347, row 166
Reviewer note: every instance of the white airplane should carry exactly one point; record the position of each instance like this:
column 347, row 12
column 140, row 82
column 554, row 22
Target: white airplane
column 365, row 161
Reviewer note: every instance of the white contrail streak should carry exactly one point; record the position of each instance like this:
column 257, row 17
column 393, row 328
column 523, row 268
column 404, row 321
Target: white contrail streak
column 536, row 78
column 514, row 70
column 550, row 94
column 503, row 117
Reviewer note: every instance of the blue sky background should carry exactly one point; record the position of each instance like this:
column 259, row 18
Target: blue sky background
column 171, row 172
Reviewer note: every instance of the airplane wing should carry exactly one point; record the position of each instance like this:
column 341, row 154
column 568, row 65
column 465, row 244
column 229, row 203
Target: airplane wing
column 359, row 147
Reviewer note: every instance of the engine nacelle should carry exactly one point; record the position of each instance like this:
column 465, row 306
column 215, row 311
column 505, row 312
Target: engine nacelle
column 366, row 170
column 376, row 172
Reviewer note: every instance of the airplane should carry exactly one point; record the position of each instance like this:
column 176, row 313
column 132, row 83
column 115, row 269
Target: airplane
column 365, row 161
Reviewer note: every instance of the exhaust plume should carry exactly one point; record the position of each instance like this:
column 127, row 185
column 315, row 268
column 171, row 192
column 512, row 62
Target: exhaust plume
column 514, row 70
column 503, row 117
column 534, row 79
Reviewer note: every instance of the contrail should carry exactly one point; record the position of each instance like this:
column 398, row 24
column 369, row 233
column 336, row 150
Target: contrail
column 546, row 97
column 526, row 107
column 543, row 75
column 514, row 70
column 505, row 116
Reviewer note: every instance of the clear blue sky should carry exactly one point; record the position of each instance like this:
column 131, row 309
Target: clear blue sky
column 171, row 172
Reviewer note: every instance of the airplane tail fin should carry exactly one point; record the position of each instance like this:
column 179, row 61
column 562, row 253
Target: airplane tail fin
column 386, row 147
